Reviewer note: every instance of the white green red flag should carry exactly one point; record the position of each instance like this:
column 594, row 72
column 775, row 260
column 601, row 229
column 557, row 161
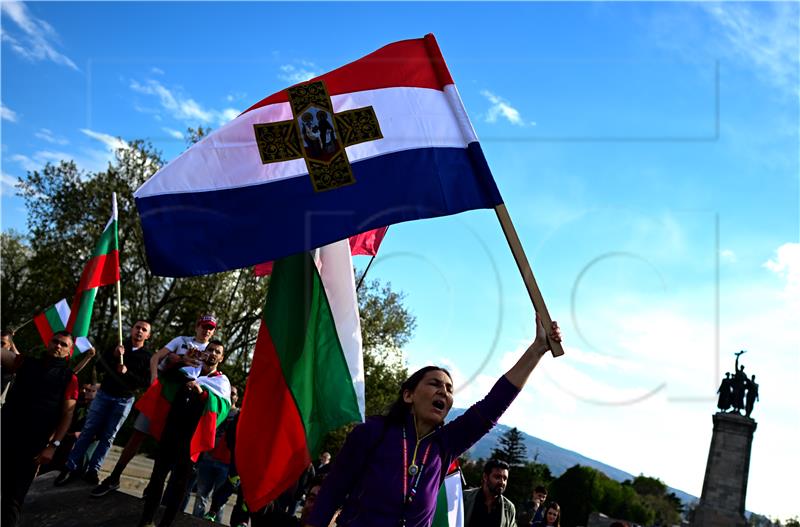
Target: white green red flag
column 307, row 376
column 54, row 319
column 102, row 269
column 450, row 501
column 157, row 401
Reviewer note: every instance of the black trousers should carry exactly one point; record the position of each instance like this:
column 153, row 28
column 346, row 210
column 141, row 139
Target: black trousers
column 18, row 471
column 173, row 454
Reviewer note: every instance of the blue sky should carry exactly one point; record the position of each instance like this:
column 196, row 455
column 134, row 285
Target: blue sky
column 648, row 154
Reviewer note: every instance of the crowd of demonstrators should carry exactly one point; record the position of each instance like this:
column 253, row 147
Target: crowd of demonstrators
column 371, row 491
column 124, row 369
column 486, row 506
column 198, row 385
column 179, row 346
column 551, row 516
column 35, row 418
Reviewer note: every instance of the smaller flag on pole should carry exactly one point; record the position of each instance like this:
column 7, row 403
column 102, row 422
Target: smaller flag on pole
column 54, row 319
column 102, row 269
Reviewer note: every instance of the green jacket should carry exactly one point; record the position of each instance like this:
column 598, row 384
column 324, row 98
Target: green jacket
column 507, row 513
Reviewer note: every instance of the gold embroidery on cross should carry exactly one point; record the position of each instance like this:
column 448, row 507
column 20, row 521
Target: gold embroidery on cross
column 317, row 135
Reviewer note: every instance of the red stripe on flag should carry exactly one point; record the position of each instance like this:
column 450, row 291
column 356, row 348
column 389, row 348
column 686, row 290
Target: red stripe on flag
column 416, row 63
column 367, row 243
column 155, row 407
column 44, row 328
column 204, row 435
column 101, row 270
column 271, row 448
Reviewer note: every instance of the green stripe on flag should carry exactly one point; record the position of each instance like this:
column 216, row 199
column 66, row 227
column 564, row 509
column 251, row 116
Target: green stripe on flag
column 83, row 317
column 108, row 241
column 54, row 319
column 303, row 332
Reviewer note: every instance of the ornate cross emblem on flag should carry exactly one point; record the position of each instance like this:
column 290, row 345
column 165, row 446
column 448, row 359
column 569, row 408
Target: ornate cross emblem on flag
column 318, row 135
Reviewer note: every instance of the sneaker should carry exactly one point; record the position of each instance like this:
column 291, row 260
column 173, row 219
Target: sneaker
column 108, row 485
column 66, row 476
column 91, row 477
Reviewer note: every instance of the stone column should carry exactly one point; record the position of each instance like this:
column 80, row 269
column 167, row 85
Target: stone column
column 725, row 484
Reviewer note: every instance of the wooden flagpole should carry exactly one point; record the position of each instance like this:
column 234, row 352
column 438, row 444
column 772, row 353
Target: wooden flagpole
column 119, row 287
column 527, row 274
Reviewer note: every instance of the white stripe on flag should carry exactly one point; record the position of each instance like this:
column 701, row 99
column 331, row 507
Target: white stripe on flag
column 409, row 118
column 62, row 308
column 455, row 499
column 335, row 266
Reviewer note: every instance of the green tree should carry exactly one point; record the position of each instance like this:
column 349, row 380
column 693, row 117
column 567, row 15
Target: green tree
column 511, row 448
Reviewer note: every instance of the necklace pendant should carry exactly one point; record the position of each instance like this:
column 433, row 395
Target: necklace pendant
column 413, row 470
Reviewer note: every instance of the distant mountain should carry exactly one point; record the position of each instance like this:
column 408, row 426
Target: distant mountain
column 557, row 459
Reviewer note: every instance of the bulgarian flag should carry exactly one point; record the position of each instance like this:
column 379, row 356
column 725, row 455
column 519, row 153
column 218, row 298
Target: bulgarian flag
column 54, row 319
column 102, row 269
column 450, row 502
column 157, row 401
column 307, row 376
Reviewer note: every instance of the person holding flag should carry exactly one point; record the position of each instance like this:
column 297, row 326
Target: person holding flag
column 121, row 378
column 35, row 418
column 196, row 406
column 368, row 480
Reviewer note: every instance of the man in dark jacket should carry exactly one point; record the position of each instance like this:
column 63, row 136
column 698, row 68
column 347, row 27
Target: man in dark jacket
column 35, row 418
column 125, row 369
column 486, row 506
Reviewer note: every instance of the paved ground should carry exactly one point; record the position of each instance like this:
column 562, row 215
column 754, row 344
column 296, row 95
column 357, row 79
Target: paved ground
column 72, row 506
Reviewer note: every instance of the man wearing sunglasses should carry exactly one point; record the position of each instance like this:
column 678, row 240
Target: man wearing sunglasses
column 35, row 418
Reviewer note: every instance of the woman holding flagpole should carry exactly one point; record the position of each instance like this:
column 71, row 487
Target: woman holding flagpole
column 389, row 471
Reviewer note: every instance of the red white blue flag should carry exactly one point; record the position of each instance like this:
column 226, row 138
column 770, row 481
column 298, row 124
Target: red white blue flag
column 382, row 140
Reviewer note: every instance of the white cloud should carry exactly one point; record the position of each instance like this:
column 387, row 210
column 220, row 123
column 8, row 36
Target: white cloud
column 38, row 40
column 7, row 113
column 157, row 71
column 47, row 135
column 111, row 142
column 173, row 133
column 181, row 106
column 727, row 255
column 296, row 74
column 502, row 108
column 7, row 184
column 786, row 264
column 764, row 35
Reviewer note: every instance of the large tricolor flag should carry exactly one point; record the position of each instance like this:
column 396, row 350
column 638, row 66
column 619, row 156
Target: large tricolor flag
column 54, row 319
column 307, row 376
column 102, row 269
column 382, row 140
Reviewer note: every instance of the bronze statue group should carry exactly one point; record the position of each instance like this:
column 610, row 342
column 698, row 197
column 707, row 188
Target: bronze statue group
column 737, row 392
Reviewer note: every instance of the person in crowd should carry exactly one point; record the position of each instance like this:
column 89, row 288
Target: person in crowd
column 373, row 492
column 7, row 343
column 533, row 509
column 551, row 516
column 35, row 418
column 193, row 397
column 214, row 465
column 486, row 506
column 239, row 515
column 125, row 369
column 204, row 329
column 324, row 464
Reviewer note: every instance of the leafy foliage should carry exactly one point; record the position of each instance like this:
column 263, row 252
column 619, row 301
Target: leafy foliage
column 511, row 448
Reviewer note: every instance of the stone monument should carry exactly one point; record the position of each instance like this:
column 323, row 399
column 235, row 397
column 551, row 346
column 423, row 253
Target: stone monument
column 725, row 484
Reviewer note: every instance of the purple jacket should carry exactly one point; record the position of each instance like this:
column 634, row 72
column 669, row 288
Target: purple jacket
column 366, row 477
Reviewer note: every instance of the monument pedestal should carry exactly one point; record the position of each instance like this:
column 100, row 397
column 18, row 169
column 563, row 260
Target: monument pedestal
column 725, row 484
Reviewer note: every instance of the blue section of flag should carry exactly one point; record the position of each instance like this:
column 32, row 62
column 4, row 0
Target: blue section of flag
column 197, row 233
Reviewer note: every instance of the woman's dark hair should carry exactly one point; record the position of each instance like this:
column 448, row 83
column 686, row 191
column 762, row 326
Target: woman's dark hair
column 557, row 507
column 399, row 409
